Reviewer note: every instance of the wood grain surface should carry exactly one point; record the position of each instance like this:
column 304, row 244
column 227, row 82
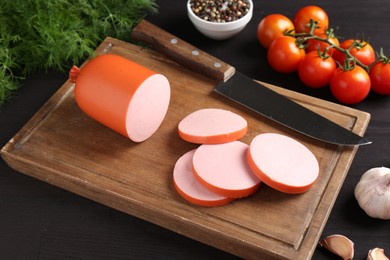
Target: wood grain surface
column 62, row 146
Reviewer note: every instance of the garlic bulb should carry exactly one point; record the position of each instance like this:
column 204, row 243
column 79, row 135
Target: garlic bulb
column 373, row 192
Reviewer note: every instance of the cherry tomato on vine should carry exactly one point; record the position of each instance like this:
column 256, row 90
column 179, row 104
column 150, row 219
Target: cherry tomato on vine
column 316, row 71
column 272, row 27
column 380, row 78
column 316, row 13
column 363, row 52
column 350, row 86
column 284, row 55
column 313, row 44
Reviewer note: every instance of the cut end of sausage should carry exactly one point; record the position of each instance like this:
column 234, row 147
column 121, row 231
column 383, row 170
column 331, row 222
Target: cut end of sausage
column 148, row 108
column 282, row 163
column 212, row 126
column 223, row 168
column 190, row 189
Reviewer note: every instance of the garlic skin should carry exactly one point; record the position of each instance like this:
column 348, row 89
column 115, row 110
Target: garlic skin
column 373, row 192
column 339, row 245
column 377, row 254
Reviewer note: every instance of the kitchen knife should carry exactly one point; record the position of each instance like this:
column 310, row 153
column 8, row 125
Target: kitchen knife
column 244, row 90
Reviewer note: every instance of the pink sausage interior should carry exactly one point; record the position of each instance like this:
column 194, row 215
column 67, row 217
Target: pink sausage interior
column 212, row 125
column 283, row 160
column 148, row 108
column 188, row 186
column 224, row 168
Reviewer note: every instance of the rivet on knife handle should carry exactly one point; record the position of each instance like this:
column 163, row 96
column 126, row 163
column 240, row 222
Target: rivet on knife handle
column 181, row 51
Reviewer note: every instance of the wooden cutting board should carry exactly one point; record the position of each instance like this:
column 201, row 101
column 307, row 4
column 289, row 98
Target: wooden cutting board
column 64, row 147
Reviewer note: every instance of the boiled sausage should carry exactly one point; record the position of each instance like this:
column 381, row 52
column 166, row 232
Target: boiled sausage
column 190, row 188
column 282, row 163
column 223, row 168
column 212, row 126
column 122, row 95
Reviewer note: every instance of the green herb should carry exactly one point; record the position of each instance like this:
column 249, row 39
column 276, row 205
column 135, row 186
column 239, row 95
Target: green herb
column 55, row 34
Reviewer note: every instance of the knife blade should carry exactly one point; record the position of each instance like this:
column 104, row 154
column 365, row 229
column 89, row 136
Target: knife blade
column 244, row 90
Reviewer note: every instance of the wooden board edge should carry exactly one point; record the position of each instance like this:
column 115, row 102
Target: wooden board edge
column 328, row 200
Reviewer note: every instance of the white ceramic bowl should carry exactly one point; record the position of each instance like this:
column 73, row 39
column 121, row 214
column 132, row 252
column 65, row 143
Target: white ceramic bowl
column 216, row 30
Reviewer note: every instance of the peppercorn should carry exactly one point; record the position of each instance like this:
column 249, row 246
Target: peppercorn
column 220, row 11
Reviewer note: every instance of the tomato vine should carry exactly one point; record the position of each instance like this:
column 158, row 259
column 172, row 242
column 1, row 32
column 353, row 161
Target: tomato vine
column 350, row 61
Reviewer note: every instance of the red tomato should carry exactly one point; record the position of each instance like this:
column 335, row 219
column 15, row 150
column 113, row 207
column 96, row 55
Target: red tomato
column 303, row 16
column 315, row 71
column 284, row 55
column 363, row 52
column 272, row 27
column 350, row 86
column 380, row 78
column 313, row 44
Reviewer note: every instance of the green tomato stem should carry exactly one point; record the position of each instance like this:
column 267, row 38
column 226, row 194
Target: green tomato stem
column 350, row 60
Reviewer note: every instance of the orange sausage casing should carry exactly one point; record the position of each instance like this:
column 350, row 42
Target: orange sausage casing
column 123, row 95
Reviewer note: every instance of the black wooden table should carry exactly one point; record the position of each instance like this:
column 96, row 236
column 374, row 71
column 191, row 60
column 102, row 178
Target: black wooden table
column 40, row 221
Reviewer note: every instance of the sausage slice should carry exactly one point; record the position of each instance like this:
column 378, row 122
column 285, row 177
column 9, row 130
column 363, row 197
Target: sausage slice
column 282, row 163
column 190, row 188
column 223, row 168
column 212, row 126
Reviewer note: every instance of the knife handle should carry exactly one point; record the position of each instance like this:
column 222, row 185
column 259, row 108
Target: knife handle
column 181, row 51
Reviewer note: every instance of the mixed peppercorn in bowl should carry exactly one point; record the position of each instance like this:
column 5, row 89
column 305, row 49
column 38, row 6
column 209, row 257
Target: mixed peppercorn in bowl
column 220, row 19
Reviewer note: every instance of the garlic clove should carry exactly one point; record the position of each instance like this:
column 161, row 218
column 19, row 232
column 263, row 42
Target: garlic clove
column 373, row 192
column 377, row 254
column 339, row 245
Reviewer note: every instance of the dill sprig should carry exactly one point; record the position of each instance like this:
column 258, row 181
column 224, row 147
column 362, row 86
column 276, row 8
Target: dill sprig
column 55, row 34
